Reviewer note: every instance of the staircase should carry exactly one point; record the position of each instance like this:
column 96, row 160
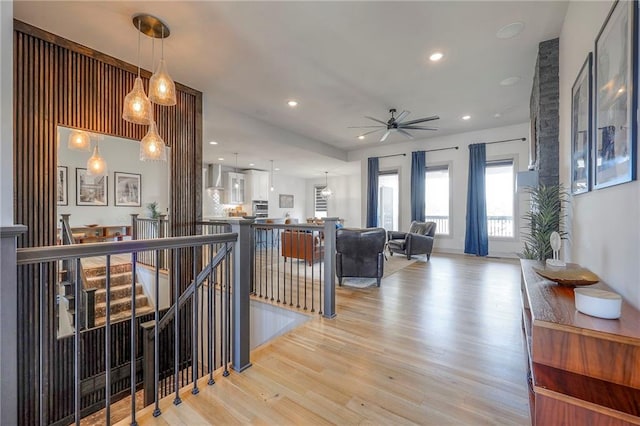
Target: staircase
column 121, row 289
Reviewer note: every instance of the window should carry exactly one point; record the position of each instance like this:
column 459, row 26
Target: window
column 320, row 206
column 388, row 200
column 499, row 194
column 437, row 197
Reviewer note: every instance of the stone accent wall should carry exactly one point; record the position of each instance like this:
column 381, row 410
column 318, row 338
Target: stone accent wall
column 544, row 114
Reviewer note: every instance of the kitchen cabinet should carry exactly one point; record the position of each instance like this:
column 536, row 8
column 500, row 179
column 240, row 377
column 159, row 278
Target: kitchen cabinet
column 258, row 185
column 234, row 187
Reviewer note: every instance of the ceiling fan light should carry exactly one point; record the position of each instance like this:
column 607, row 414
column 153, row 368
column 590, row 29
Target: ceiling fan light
column 96, row 166
column 137, row 108
column 162, row 89
column 152, row 146
column 79, row 141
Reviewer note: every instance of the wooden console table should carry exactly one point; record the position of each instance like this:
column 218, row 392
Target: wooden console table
column 100, row 233
column 582, row 370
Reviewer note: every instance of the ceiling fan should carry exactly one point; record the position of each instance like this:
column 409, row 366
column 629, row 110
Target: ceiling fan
column 395, row 124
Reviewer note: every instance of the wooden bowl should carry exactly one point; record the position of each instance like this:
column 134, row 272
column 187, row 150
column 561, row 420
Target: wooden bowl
column 572, row 275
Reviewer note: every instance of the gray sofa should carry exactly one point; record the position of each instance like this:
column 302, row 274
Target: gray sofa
column 360, row 253
column 419, row 240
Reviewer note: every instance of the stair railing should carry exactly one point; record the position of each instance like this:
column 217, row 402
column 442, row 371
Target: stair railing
column 143, row 228
column 75, row 272
column 232, row 315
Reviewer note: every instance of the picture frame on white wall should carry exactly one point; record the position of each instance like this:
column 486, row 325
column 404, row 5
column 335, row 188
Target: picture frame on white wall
column 285, row 201
column 62, row 186
column 91, row 190
column 615, row 69
column 581, row 129
column 127, row 188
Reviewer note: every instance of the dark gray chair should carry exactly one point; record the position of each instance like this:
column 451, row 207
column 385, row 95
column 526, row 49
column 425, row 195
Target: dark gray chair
column 419, row 240
column 360, row 253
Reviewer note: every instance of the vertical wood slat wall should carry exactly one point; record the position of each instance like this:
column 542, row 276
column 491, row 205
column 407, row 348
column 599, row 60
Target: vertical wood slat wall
column 59, row 82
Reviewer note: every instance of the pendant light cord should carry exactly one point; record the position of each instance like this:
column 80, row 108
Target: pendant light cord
column 162, row 45
column 139, row 47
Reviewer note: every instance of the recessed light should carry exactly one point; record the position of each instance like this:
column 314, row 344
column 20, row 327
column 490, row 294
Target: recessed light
column 497, row 115
column 277, row 169
column 252, row 164
column 509, row 81
column 510, row 31
column 466, row 117
column 361, row 137
column 621, row 90
column 213, row 143
column 220, row 159
column 292, row 103
column 436, row 56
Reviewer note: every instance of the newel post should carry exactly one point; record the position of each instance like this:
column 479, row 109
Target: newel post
column 329, row 308
column 9, row 324
column 240, row 294
column 134, row 226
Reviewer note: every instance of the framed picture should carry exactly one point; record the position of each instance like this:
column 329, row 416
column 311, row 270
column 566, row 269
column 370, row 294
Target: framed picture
column 614, row 158
column 63, row 186
column 286, row 201
column 90, row 190
column 581, row 128
column 127, row 189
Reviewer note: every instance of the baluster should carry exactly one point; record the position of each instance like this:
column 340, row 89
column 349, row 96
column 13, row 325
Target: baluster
column 76, row 341
column 176, row 323
column 210, row 323
column 194, row 334
column 107, row 342
column 133, row 338
column 156, row 338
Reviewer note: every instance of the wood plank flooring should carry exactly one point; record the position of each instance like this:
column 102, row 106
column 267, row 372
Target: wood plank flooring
column 438, row 343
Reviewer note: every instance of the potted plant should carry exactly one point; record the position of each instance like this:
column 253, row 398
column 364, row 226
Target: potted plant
column 153, row 210
column 544, row 217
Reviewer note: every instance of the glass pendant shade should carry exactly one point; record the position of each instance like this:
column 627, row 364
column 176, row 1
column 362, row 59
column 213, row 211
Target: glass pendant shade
column 162, row 89
column 79, row 141
column 326, row 193
column 137, row 107
column 96, row 166
column 152, row 146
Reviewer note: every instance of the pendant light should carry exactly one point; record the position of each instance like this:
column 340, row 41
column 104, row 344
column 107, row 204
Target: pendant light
column 326, row 192
column 152, row 146
column 137, row 107
column 162, row 89
column 236, row 185
column 79, row 141
column 271, row 188
column 96, row 166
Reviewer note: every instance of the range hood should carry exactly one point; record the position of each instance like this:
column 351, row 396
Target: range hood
column 214, row 176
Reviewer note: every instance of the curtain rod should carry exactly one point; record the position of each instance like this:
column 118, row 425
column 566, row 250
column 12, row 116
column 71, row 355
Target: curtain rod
column 430, row 150
column 506, row 140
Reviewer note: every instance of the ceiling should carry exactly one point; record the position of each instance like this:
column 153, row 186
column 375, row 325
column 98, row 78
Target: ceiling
column 339, row 60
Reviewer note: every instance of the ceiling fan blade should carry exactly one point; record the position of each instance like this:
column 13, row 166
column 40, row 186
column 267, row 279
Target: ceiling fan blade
column 372, row 131
column 418, row 127
column 402, row 115
column 384, row 137
column 421, row 120
column 407, row 134
column 376, row 120
column 364, row 127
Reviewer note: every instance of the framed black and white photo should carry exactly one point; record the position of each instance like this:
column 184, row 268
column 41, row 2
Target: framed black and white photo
column 127, row 189
column 581, row 129
column 286, row 201
column 63, row 186
column 90, row 190
column 614, row 158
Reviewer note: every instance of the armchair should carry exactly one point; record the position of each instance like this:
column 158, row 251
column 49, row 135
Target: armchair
column 419, row 240
column 360, row 253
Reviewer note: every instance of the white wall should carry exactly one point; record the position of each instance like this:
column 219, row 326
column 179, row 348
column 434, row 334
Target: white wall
column 121, row 155
column 288, row 185
column 345, row 202
column 6, row 112
column 604, row 224
column 458, row 161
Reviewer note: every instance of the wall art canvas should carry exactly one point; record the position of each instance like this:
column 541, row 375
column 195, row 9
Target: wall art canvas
column 286, row 201
column 614, row 148
column 581, row 129
column 127, row 189
column 90, row 190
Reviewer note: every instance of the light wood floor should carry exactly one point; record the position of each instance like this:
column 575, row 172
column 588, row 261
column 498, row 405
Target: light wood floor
column 438, row 343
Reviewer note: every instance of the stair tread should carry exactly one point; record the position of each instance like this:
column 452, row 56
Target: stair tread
column 101, row 277
column 121, row 301
column 124, row 315
column 115, row 288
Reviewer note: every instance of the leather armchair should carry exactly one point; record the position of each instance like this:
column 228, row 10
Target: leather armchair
column 360, row 253
column 419, row 240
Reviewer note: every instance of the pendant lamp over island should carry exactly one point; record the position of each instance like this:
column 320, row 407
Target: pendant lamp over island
column 326, row 192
